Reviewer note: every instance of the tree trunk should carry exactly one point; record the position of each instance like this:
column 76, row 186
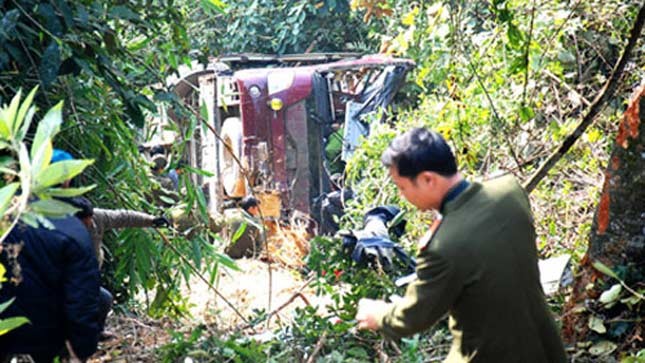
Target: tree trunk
column 618, row 231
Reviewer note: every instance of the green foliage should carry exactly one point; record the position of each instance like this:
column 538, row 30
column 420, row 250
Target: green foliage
column 34, row 173
column 31, row 173
column 10, row 323
column 279, row 27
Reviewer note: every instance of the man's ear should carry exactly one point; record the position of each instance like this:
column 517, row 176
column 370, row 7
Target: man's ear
column 426, row 177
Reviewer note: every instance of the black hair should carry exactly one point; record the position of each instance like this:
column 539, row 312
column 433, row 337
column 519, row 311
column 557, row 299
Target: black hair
column 249, row 202
column 157, row 149
column 420, row 150
column 82, row 203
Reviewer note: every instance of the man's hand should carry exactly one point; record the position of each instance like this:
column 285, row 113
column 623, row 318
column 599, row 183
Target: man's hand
column 160, row 222
column 367, row 312
column 72, row 355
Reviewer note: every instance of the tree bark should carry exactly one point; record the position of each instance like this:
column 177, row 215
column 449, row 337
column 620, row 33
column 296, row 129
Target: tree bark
column 617, row 236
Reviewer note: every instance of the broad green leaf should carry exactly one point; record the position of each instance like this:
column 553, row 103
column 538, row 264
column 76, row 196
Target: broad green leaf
column 31, row 219
column 408, row 19
column 5, row 133
column 166, row 200
column 596, row 324
column 138, row 43
column 22, row 112
column 6, row 194
column 602, row 348
column 8, row 324
column 52, row 208
column 124, row 12
column 69, row 192
column 216, row 5
column 47, row 128
column 594, row 135
column 358, row 352
column 42, row 159
column 526, row 113
column 9, row 22
column 611, row 295
column 515, row 36
column 50, row 63
column 11, row 113
column 26, row 123
column 604, row 269
column 566, row 57
column 61, row 171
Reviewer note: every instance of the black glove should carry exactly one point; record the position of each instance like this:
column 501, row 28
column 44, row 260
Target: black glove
column 160, row 222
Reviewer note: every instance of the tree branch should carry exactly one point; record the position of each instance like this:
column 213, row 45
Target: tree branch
column 597, row 105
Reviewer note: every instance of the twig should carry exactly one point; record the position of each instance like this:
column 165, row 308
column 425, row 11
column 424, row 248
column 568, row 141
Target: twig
column 318, row 347
column 566, row 85
column 289, row 301
column 597, row 105
column 498, row 119
column 526, row 55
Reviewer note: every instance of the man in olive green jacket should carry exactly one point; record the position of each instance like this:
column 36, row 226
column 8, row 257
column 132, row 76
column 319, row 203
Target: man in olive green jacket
column 478, row 262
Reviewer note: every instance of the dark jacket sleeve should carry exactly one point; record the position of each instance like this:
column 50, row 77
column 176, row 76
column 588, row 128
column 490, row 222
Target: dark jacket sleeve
column 81, row 292
column 426, row 300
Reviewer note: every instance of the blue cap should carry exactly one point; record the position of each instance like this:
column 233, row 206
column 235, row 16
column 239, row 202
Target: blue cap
column 60, row 155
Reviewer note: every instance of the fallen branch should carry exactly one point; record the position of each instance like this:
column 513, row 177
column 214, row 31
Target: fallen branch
column 567, row 86
column 597, row 105
column 318, row 347
column 284, row 305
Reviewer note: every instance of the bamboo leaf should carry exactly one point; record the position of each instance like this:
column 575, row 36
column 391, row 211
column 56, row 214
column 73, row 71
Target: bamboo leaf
column 226, row 261
column 604, row 269
column 69, row 192
column 22, row 112
column 5, row 304
column 6, row 194
column 11, row 113
column 213, row 5
column 26, row 123
column 238, row 233
column 52, row 208
column 8, row 324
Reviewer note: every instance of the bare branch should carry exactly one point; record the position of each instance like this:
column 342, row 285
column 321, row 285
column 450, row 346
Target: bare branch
column 597, row 105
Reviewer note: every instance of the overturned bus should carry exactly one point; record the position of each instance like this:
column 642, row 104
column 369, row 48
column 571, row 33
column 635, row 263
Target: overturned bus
column 270, row 119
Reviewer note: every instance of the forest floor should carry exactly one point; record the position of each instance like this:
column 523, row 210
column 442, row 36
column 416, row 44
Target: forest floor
column 138, row 337
column 256, row 286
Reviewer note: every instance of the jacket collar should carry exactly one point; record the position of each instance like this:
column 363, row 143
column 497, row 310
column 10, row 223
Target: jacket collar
column 458, row 195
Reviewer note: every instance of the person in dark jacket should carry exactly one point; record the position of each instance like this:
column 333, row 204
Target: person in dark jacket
column 249, row 243
column 54, row 278
column 477, row 263
column 98, row 221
